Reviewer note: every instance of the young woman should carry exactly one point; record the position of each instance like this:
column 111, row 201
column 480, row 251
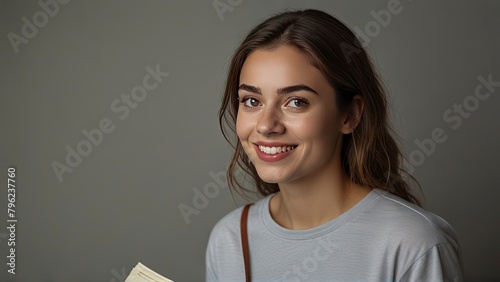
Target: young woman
column 310, row 115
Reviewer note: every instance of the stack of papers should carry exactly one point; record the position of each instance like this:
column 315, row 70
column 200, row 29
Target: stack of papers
column 141, row 273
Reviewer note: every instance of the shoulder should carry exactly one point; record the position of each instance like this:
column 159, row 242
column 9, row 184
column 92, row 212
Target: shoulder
column 226, row 232
column 224, row 254
column 421, row 244
column 407, row 229
column 411, row 221
column 229, row 225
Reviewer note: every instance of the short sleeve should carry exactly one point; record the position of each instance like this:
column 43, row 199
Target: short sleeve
column 223, row 258
column 210, row 261
column 440, row 263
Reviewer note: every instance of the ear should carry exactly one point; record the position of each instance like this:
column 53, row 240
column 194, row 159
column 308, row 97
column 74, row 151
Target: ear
column 352, row 116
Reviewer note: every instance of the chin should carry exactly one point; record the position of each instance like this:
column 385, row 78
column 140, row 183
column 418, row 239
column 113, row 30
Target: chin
column 272, row 176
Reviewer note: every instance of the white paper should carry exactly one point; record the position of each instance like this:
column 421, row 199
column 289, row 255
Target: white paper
column 141, row 273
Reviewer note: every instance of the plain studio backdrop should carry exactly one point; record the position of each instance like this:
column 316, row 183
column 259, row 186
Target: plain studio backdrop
column 109, row 116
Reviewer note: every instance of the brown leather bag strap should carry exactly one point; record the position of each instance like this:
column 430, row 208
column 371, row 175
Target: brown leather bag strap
column 244, row 242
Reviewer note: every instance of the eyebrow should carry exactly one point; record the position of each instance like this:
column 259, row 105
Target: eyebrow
column 279, row 91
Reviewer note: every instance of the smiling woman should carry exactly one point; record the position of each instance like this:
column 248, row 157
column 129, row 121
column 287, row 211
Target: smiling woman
column 312, row 131
column 291, row 104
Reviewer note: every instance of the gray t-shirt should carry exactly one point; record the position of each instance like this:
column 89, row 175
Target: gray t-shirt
column 382, row 238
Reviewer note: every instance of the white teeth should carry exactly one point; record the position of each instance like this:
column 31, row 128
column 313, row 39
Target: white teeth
column 276, row 150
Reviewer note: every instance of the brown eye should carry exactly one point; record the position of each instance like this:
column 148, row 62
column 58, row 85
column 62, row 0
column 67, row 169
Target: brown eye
column 250, row 102
column 297, row 103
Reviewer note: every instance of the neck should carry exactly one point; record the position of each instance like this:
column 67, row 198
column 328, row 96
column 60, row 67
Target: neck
column 309, row 203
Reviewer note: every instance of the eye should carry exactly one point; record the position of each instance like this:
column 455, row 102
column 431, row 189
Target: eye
column 250, row 102
column 297, row 103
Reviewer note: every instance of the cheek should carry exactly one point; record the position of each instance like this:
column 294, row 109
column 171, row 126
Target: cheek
column 321, row 126
column 242, row 126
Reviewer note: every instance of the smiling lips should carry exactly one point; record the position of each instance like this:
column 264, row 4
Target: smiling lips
column 273, row 152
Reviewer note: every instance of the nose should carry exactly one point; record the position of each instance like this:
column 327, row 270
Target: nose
column 270, row 122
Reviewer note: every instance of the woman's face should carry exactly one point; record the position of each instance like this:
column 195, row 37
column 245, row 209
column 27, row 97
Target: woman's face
column 287, row 122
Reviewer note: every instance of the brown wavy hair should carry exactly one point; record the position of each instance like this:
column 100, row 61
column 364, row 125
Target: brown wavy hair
column 370, row 155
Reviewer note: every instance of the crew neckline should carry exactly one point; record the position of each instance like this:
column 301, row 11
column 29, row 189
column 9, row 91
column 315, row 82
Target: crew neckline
column 320, row 230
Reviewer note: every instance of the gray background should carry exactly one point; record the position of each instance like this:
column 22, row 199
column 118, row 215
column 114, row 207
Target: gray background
column 120, row 205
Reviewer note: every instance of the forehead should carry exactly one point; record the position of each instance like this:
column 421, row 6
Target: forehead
column 280, row 67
